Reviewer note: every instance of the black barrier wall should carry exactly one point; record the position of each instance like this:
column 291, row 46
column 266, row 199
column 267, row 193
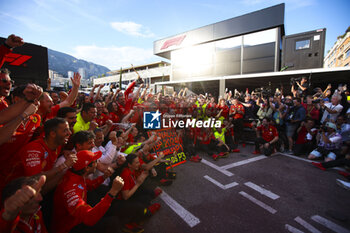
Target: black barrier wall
column 28, row 64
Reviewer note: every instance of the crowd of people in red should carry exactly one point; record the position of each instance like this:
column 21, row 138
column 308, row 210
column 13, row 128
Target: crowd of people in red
column 73, row 162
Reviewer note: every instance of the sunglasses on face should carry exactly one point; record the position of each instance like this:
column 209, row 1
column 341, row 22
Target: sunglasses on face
column 5, row 81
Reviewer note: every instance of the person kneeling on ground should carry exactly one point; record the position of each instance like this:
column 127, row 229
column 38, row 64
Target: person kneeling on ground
column 135, row 200
column 329, row 144
column 220, row 145
column 305, row 141
column 267, row 137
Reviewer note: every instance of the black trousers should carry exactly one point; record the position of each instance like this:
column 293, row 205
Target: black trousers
column 336, row 163
column 266, row 151
column 302, row 149
column 135, row 208
column 238, row 129
column 107, row 224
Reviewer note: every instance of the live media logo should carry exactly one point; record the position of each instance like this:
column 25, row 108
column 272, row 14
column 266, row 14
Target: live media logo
column 151, row 120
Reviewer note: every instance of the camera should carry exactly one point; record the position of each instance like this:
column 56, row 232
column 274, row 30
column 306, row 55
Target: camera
column 294, row 80
column 139, row 81
column 264, row 91
column 323, row 128
column 316, row 101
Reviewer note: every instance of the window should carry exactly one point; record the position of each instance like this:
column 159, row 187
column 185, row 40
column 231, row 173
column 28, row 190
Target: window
column 302, row 44
column 347, row 54
column 262, row 37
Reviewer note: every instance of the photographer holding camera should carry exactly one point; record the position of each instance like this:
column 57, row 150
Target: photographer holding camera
column 312, row 108
column 303, row 86
column 294, row 117
column 331, row 110
column 329, row 144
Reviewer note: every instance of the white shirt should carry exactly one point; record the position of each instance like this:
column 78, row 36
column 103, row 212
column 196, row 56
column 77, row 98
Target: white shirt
column 109, row 156
column 330, row 116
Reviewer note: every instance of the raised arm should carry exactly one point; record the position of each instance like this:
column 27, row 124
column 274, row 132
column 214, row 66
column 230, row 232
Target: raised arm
column 11, row 42
column 7, row 131
column 92, row 92
column 32, row 92
column 74, row 93
column 98, row 92
column 136, row 96
column 151, row 164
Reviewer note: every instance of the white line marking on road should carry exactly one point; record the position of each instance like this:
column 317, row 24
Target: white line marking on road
column 243, row 162
column 263, row 191
column 259, row 203
column 309, row 161
column 189, row 218
column 298, row 158
column 307, row 225
column 329, row 224
column 293, row 229
column 227, row 173
column 224, row 187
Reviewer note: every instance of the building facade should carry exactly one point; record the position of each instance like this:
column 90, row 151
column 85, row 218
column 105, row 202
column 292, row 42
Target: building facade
column 245, row 44
column 339, row 54
column 150, row 73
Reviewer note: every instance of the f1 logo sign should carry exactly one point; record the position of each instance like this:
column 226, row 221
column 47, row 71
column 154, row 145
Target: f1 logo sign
column 16, row 59
column 173, row 42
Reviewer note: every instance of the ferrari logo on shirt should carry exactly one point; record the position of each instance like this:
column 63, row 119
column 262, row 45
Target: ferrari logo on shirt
column 35, row 119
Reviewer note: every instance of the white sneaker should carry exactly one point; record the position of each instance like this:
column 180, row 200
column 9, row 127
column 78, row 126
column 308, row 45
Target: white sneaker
column 343, row 184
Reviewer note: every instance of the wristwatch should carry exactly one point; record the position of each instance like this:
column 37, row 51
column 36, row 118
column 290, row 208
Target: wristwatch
column 109, row 194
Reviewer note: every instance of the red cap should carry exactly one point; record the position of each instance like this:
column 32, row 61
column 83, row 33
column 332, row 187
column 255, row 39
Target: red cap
column 85, row 157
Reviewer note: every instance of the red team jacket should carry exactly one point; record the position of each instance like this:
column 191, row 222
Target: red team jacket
column 34, row 225
column 70, row 207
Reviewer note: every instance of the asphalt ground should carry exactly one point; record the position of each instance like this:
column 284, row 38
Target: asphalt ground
column 252, row 193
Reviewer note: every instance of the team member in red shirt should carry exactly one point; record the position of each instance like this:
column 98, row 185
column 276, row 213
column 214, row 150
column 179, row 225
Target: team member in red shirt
column 237, row 113
column 267, row 137
column 39, row 156
column 223, row 106
column 113, row 112
column 101, row 118
column 21, row 136
column 306, row 135
column 30, row 93
column 71, row 212
column 135, row 204
column 48, row 111
column 126, row 103
column 70, row 115
column 21, row 212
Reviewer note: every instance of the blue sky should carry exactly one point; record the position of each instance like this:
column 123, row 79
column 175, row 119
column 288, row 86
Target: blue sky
column 115, row 33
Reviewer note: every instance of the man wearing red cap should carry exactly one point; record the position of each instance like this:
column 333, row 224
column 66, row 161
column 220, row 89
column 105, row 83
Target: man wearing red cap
column 71, row 212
